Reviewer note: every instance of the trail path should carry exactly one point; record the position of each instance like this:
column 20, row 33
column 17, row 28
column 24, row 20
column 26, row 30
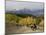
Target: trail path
column 23, row 29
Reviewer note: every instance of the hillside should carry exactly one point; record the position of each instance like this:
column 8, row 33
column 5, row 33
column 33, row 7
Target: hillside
column 16, row 18
column 22, row 24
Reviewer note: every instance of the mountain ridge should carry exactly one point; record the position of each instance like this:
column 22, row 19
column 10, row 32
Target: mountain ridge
column 27, row 11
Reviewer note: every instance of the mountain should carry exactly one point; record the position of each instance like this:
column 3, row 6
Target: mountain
column 38, row 12
column 24, row 11
column 28, row 11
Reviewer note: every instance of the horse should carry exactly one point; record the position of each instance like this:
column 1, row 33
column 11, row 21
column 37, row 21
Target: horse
column 34, row 27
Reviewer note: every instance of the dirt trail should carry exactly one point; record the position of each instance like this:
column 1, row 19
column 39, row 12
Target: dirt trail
column 23, row 29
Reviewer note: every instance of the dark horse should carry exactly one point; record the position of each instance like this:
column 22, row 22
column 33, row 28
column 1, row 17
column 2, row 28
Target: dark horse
column 34, row 27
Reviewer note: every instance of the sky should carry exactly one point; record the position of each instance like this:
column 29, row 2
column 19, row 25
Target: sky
column 11, row 5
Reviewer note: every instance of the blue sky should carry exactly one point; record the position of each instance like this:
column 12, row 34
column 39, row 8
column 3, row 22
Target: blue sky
column 10, row 5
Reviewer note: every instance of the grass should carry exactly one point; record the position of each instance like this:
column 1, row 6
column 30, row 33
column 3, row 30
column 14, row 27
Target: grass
column 21, row 19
